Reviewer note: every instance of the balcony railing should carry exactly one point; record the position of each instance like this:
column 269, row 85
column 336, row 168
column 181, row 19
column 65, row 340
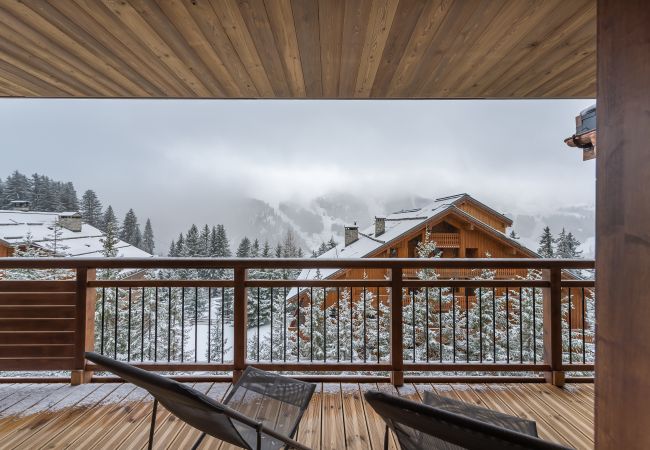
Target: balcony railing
column 220, row 315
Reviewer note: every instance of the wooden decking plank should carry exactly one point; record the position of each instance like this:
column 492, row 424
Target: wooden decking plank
column 376, row 425
column 17, row 428
column 309, row 430
column 117, row 415
column 333, row 418
column 98, row 426
column 15, row 394
column 122, row 423
column 565, row 399
column 173, row 425
column 136, row 426
column 188, row 435
column 54, row 423
column 36, row 395
column 569, row 427
column 356, row 428
column 526, row 410
column 63, row 433
column 493, row 401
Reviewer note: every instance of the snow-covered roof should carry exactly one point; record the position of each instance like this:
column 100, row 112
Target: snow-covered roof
column 398, row 224
column 16, row 225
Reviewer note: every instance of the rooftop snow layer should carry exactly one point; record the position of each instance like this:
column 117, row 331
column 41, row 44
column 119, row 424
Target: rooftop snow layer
column 16, row 225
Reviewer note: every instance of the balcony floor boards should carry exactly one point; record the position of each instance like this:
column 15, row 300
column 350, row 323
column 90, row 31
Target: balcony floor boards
column 115, row 415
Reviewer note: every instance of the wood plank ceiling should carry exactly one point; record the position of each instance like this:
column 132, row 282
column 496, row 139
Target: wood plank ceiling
column 298, row 48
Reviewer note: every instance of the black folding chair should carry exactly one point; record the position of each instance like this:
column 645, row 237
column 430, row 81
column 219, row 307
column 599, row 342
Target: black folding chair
column 262, row 410
column 442, row 423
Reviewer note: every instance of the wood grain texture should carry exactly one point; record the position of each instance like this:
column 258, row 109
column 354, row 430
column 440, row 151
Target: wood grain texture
column 622, row 217
column 298, row 48
column 117, row 415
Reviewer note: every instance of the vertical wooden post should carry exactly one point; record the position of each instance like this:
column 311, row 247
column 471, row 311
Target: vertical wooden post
column 240, row 323
column 396, row 332
column 622, row 225
column 553, row 327
column 85, row 325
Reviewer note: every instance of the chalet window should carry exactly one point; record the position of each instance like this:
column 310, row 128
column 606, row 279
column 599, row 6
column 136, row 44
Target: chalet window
column 471, row 253
column 393, row 253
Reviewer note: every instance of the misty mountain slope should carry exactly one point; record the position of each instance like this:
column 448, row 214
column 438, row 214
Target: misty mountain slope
column 579, row 220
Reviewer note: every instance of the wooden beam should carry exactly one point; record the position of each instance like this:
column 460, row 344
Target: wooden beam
column 240, row 324
column 622, row 225
column 553, row 327
column 396, row 332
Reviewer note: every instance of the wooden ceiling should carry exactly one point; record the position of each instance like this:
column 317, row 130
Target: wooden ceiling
column 298, row 48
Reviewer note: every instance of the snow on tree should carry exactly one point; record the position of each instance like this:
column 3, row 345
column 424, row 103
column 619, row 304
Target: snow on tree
column 148, row 243
column 567, row 246
column 130, row 231
column 52, row 242
column 91, row 209
column 16, row 187
column 108, row 218
column 244, row 249
column 69, row 200
column 255, row 249
column 513, row 235
column 546, row 243
column 192, row 246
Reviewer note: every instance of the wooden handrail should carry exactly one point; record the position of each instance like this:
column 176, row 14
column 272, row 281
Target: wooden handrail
column 293, row 263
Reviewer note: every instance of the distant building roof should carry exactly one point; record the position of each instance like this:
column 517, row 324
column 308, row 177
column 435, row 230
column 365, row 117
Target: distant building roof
column 402, row 222
column 16, row 225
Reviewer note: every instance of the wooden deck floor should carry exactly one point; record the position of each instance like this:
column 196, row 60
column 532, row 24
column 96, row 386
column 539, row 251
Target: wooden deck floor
column 117, row 415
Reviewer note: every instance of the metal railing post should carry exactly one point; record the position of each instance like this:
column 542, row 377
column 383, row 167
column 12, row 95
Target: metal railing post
column 85, row 325
column 553, row 327
column 240, row 323
column 396, row 332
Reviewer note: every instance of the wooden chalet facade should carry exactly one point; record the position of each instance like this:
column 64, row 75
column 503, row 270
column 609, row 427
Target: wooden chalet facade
column 460, row 226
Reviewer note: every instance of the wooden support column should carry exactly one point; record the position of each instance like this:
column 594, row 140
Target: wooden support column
column 240, row 323
column 623, row 226
column 396, row 332
column 85, row 325
column 553, row 327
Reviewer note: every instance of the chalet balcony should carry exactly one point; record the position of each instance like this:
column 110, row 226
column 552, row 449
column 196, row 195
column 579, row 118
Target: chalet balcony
column 522, row 345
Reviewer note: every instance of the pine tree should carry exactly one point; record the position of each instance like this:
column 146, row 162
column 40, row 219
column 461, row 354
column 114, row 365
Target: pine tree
column 204, row 240
column 546, row 242
column 563, row 249
column 244, row 249
column 16, row 187
column 567, row 246
column 266, row 250
column 68, row 199
column 219, row 244
column 91, row 209
column 148, row 243
column 108, row 218
column 192, row 242
column 172, row 250
column 180, row 246
column 130, row 231
column 513, row 235
column 255, row 249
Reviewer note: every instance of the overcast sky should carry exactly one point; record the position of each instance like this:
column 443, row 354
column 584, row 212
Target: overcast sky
column 192, row 157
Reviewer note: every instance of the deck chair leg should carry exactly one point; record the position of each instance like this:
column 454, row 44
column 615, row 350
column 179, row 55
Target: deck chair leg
column 153, row 424
column 198, row 441
column 386, row 438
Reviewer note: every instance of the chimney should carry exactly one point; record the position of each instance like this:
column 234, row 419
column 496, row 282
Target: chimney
column 20, row 205
column 380, row 226
column 351, row 234
column 70, row 221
